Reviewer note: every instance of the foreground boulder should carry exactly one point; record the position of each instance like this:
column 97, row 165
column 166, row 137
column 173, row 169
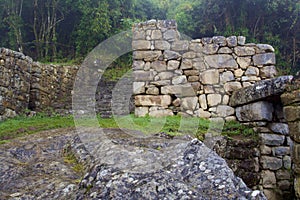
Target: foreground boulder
column 130, row 166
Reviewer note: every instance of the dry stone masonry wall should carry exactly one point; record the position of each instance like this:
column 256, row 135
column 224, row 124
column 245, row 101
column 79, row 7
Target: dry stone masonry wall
column 193, row 77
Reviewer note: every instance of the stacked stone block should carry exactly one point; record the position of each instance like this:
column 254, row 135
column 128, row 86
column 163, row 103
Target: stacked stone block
column 193, row 77
column 15, row 73
column 260, row 106
column 291, row 101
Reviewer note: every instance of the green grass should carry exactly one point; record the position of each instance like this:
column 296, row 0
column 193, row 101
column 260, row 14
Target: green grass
column 175, row 125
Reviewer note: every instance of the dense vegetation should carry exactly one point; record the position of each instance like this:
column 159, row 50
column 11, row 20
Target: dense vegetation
column 54, row 30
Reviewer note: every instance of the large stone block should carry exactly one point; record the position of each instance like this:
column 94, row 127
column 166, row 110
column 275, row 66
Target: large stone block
column 292, row 113
column 171, row 35
column 156, row 35
column 171, row 55
column 138, row 87
column 291, row 97
column 186, row 64
column 225, row 111
column 259, row 111
column 141, row 111
column 260, row 90
column 162, row 45
column 244, row 51
column 182, row 45
column 189, row 103
column 203, row 114
column 210, row 77
column 294, row 129
column 269, row 179
column 179, row 90
column 141, row 45
column 264, row 59
column 226, row 77
column 272, row 139
column 210, row 48
column 271, row 163
column 281, row 128
column 268, row 71
column 150, row 100
column 214, row 99
column 165, row 75
column 232, row 41
column 244, row 62
column 221, row 61
column 143, row 75
column 173, row 65
column 159, row 66
column 232, row 86
column 146, row 55
column 179, row 80
column 161, row 113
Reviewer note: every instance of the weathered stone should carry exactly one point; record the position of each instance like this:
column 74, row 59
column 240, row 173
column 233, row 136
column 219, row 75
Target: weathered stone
column 203, row 114
column 264, row 48
column 152, row 90
column 177, row 102
column 198, row 63
column 141, row 111
column 225, row 100
column 138, row 65
column 186, row 64
column 193, row 78
column 162, row 45
column 139, row 35
column 232, row 86
column 259, row 111
column 209, row 89
column 232, row 41
column 210, row 77
column 146, row 55
column 203, row 101
column 281, row 151
column 272, row 139
column 283, row 175
column 244, row 62
column 161, row 113
column 179, row 90
column 207, row 40
column 260, row 90
column 220, row 61
column 252, row 71
column 171, row 55
column 244, row 51
column 225, row 111
column 265, row 150
column 156, row 35
column 296, row 155
column 241, row 40
column 165, row 75
column 264, row 59
column 143, row 76
column 150, row 100
column 226, row 77
column 179, row 80
column 173, row 65
column 225, row 50
column 292, row 113
column 161, row 83
column 214, row 99
column 197, row 47
column 287, row 162
column 281, row 128
column 181, row 45
column 294, row 130
column 220, row 40
column 268, row 71
column 271, row 163
column 191, row 72
column 141, row 45
column 159, row 66
column 189, row 55
column 138, row 87
column 171, row 35
column 189, row 103
column 239, row 73
column 210, row 49
column 291, row 97
column 284, row 185
column 269, row 179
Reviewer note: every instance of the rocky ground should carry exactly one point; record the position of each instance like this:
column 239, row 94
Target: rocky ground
column 118, row 165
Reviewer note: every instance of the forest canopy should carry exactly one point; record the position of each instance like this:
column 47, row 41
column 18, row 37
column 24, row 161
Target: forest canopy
column 57, row 30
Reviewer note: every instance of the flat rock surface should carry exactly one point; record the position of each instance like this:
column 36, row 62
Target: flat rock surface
column 119, row 165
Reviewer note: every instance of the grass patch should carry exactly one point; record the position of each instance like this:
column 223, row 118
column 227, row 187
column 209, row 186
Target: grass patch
column 174, row 125
column 70, row 158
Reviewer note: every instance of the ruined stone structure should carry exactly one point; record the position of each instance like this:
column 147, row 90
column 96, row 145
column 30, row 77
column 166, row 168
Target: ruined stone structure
column 193, row 77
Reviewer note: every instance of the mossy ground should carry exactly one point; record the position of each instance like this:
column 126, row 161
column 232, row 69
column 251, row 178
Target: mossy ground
column 174, row 125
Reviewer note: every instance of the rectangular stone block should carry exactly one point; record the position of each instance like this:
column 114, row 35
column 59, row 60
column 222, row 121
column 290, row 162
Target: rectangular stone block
column 272, row 139
column 143, row 76
column 259, row 111
column 264, row 59
column 294, row 128
column 221, row 61
column 292, row 113
column 146, row 55
column 271, row 163
column 151, row 100
column 141, row 45
column 210, row 77
column 179, row 90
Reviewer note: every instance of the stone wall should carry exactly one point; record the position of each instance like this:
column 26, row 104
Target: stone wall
column 260, row 106
column 193, row 77
column 15, row 73
column 291, row 102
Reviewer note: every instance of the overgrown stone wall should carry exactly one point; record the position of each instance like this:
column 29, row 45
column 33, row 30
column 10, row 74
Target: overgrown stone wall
column 193, row 77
